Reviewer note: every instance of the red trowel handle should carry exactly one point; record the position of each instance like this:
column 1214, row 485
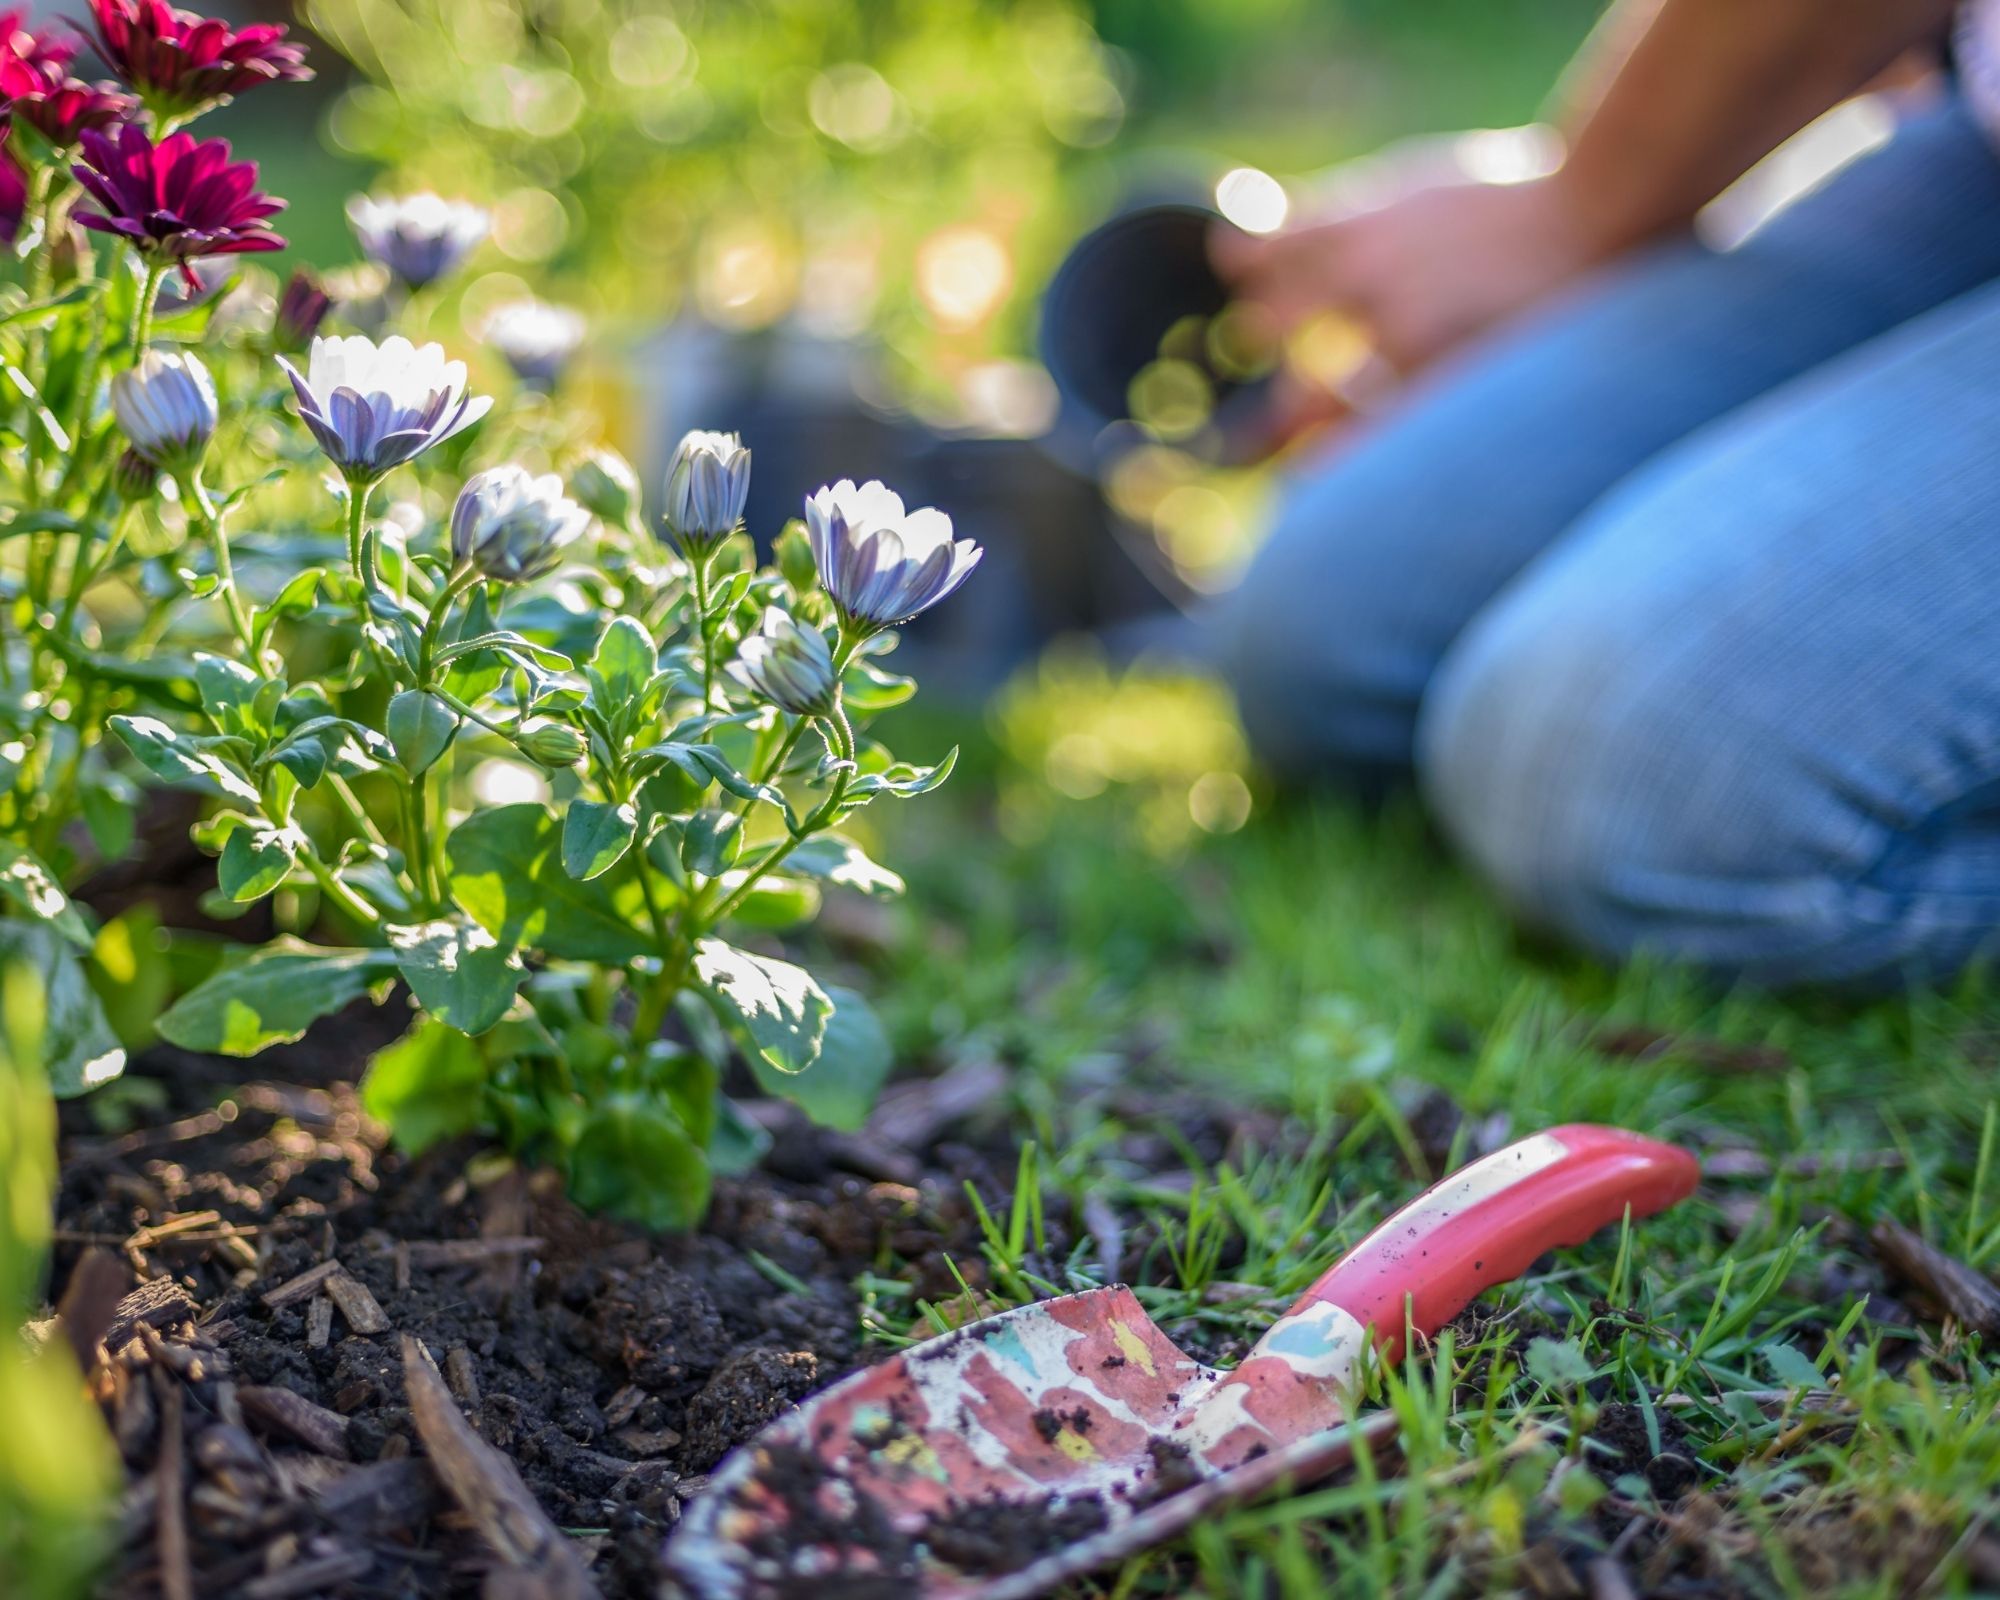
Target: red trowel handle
column 1486, row 1222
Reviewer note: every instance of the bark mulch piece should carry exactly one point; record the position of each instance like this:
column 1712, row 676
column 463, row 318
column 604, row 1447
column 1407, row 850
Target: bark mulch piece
column 335, row 1371
column 1964, row 1293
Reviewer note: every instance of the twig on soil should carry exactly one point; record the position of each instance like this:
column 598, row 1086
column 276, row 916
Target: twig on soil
column 319, row 1323
column 1967, row 1295
column 488, row 1487
column 321, row 1575
column 910, row 1115
column 307, row 1282
column 176, row 1572
column 1640, row 1043
column 362, row 1310
column 1755, row 1164
column 312, row 1425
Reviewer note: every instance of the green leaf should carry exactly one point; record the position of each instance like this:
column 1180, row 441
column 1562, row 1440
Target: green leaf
column 712, row 841
column 1790, row 1367
column 839, row 860
column 1559, row 1363
column 622, row 666
column 131, row 967
column 506, row 871
column 228, row 693
column 25, row 387
column 596, row 837
column 110, row 808
column 296, row 599
column 255, row 860
column 420, row 726
column 777, row 1005
column 78, row 1048
column 26, row 882
column 703, row 764
column 866, row 689
column 273, row 997
column 168, row 756
column 854, row 1061
column 506, row 642
column 775, row 903
column 737, row 1144
column 40, row 313
column 459, row 973
column 904, row 780
column 427, row 1086
column 634, row 1160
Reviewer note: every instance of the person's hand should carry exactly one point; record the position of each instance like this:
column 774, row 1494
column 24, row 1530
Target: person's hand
column 1423, row 270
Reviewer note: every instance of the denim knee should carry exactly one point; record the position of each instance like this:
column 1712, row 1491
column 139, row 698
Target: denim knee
column 1525, row 773
column 1309, row 657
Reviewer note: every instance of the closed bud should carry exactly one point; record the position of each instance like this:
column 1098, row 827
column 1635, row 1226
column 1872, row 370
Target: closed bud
column 606, row 486
column 301, row 308
column 707, row 486
column 511, row 526
column 166, row 408
column 794, row 557
column 551, row 744
column 133, row 477
column 789, row 664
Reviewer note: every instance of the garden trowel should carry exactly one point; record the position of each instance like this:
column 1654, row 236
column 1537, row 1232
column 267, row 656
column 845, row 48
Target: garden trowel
column 1036, row 1445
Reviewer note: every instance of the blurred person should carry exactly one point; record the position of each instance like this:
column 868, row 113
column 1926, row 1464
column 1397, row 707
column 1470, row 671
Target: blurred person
column 1673, row 572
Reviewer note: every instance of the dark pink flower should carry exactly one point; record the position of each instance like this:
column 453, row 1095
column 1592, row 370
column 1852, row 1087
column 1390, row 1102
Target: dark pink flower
column 48, row 50
column 177, row 199
column 181, row 63
column 13, row 191
column 58, row 107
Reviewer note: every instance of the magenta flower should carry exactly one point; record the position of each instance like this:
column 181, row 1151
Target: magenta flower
column 13, row 191
column 61, row 109
column 175, row 200
column 48, row 50
column 181, row 63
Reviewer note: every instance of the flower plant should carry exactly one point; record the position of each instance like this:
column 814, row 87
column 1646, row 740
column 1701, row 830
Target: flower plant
column 468, row 728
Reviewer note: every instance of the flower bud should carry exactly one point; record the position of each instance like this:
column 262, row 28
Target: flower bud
column 133, row 477
column 512, row 526
column 792, row 553
column 302, row 307
column 707, row 486
column 606, row 486
column 551, row 744
column 166, row 407
column 789, row 664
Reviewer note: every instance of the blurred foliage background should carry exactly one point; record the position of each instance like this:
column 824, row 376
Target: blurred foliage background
column 907, row 169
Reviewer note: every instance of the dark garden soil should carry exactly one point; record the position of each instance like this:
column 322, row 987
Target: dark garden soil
column 334, row 1370
column 253, row 1256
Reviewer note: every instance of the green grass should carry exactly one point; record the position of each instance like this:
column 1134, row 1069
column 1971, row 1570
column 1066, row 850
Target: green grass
column 1332, row 969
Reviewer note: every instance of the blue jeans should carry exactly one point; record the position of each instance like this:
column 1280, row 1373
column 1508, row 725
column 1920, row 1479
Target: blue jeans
column 1682, row 598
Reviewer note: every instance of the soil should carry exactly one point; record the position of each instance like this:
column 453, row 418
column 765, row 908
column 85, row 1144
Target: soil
column 612, row 1367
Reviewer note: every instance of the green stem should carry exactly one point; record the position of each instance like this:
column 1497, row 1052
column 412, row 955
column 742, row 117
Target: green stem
column 336, row 891
column 357, row 814
column 85, row 572
column 454, row 586
column 417, row 846
column 358, row 493
column 210, row 519
column 822, row 815
column 142, row 313
column 700, row 571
